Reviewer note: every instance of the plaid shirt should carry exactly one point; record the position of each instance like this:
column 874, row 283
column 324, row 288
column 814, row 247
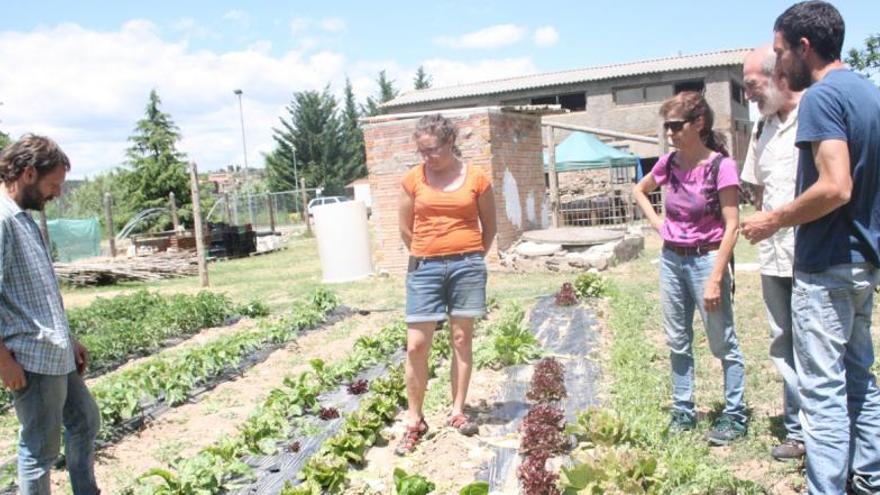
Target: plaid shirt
column 33, row 324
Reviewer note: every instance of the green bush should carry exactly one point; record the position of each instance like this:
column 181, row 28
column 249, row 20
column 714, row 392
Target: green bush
column 590, row 285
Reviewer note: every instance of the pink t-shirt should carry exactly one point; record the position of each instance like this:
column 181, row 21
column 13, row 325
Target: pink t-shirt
column 693, row 212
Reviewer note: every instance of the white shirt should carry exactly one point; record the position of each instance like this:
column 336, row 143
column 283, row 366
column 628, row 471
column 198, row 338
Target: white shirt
column 772, row 162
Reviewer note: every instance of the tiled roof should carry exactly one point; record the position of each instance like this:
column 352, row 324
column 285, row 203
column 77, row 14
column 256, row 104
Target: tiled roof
column 549, row 79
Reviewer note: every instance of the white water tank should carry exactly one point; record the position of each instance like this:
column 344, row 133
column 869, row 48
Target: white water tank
column 343, row 241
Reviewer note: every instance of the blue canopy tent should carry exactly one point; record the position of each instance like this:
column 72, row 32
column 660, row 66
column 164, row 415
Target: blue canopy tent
column 583, row 151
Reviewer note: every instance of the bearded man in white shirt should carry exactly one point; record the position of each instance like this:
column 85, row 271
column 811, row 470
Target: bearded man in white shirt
column 771, row 166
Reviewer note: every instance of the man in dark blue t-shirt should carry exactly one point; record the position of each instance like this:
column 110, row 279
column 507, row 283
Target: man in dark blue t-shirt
column 837, row 249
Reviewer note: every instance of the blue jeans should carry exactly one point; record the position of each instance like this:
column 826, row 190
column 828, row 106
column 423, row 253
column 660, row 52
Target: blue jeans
column 777, row 299
column 453, row 285
column 840, row 402
column 682, row 282
column 47, row 402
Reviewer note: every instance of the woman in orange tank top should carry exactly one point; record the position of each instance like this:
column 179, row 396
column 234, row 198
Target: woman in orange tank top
column 447, row 221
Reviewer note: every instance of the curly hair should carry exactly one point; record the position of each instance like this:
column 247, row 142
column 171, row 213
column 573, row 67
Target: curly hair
column 436, row 125
column 692, row 106
column 40, row 152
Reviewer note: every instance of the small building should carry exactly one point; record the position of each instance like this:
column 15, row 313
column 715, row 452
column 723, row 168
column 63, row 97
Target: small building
column 360, row 191
column 623, row 97
column 505, row 143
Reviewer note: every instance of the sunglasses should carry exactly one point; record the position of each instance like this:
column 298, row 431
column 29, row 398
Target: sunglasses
column 674, row 125
column 436, row 150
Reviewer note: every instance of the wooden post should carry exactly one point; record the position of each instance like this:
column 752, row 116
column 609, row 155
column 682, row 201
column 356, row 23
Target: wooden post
column 44, row 229
column 108, row 218
column 305, row 210
column 172, row 205
column 227, row 209
column 662, row 142
column 271, row 208
column 197, row 223
column 551, row 172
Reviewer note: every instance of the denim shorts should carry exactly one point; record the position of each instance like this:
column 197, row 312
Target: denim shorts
column 448, row 285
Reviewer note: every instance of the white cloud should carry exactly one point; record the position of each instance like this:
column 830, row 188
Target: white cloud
column 545, row 36
column 333, row 24
column 99, row 82
column 236, row 15
column 189, row 28
column 491, row 37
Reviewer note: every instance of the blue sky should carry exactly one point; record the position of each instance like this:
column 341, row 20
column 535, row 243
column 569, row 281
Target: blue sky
column 81, row 71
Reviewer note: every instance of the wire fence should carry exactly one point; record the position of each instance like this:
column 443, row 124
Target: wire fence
column 260, row 210
column 616, row 207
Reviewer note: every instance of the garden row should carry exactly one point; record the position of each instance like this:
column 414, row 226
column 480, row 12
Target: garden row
column 272, row 427
column 125, row 400
column 117, row 329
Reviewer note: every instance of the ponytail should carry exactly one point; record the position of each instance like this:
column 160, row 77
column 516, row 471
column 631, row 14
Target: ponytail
column 715, row 141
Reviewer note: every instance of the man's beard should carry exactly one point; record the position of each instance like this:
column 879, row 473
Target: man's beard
column 32, row 198
column 799, row 76
column 773, row 100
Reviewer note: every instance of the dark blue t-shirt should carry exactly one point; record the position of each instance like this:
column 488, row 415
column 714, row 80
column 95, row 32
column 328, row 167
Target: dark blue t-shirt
column 842, row 106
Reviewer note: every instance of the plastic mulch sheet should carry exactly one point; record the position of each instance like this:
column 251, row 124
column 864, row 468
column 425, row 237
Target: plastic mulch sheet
column 566, row 333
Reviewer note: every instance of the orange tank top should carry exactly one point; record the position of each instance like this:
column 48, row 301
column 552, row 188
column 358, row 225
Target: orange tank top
column 445, row 222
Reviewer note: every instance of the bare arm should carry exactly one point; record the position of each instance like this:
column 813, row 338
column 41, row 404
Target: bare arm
column 831, row 191
column 405, row 215
column 488, row 220
column 729, row 197
column 640, row 192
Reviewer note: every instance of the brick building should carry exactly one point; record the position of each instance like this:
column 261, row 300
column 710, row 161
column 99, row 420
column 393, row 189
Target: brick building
column 505, row 144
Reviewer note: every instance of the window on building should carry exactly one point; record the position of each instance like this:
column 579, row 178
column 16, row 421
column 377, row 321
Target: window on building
column 658, row 92
column 628, row 96
column 544, row 100
column 576, row 102
column 738, row 93
column 698, row 86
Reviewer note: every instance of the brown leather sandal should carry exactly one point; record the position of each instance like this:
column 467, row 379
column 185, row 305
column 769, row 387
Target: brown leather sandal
column 463, row 424
column 411, row 438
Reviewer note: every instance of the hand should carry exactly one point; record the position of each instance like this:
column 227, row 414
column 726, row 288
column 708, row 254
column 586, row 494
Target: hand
column 759, row 226
column 712, row 296
column 81, row 356
column 12, row 374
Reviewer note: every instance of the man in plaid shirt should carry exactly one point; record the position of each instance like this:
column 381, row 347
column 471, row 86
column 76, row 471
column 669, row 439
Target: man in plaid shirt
column 39, row 360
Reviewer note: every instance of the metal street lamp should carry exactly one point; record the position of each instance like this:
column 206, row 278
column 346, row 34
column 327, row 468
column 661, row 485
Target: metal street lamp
column 238, row 93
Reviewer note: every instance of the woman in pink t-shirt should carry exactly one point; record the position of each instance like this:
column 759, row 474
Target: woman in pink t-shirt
column 699, row 232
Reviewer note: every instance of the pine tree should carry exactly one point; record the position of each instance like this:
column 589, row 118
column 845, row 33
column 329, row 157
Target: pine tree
column 386, row 93
column 352, row 134
column 154, row 166
column 422, row 79
column 313, row 128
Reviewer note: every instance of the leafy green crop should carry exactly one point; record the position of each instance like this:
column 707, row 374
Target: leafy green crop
column 590, row 285
column 411, row 484
column 509, row 341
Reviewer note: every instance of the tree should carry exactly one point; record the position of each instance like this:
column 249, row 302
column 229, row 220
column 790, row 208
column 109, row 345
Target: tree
column 352, row 134
column 313, row 128
column 386, row 93
column 154, row 166
column 4, row 140
column 866, row 60
column 422, row 79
